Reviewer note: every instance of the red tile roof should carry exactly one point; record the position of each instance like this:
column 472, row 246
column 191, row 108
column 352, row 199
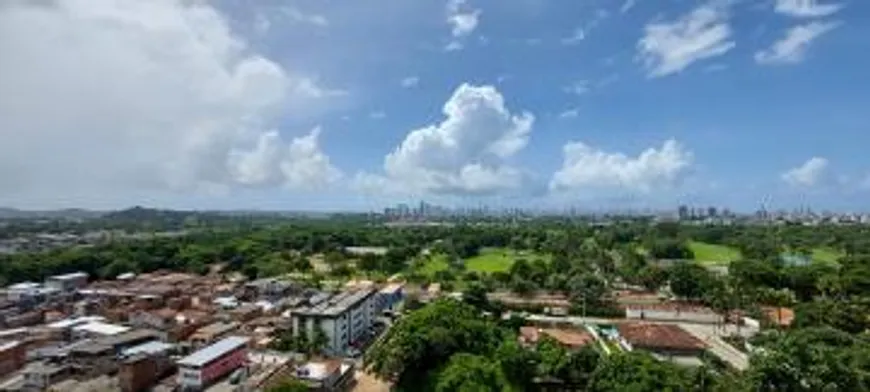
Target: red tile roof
column 573, row 338
column 659, row 337
column 781, row 316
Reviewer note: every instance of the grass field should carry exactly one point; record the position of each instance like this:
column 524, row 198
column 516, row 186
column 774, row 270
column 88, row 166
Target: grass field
column 712, row 253
column 826, row 255
column 433, row 264
column 498, row 259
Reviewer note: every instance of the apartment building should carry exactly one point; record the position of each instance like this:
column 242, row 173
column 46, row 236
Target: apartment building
column 343, row 317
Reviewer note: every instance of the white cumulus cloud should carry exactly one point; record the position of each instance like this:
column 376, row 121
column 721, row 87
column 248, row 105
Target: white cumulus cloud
column 466, row 153
column 297, row 165
column 806, row 8
column 670, row 47
column 809, row 174
column 110, row 96
column 792, row 48
column 462, row 20
column 587, row 168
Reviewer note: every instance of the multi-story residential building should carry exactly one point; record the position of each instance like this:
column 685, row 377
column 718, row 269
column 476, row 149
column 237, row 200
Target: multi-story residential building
column 344, row 318
column 389, row 297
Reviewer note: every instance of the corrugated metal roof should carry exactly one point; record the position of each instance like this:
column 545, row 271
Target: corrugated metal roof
column 74, row 321
column 70, row 276
column 148, row 348
column 212, row 352
column 101, row 328
column 336, row 304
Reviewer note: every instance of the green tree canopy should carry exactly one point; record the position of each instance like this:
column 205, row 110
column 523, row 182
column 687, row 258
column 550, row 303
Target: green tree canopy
column 427, row 338
column 689, row 280
column 638, row 372
column 472, row 373
column 812, row 359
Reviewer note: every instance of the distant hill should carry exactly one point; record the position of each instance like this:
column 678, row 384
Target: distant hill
column 139, row 214
column 70, row 213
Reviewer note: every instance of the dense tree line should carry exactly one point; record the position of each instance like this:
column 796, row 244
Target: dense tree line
column 449, row 346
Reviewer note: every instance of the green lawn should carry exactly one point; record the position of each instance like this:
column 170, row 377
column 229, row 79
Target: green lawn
column 826, row 255
column 713, row 254
column 499, row 259
column 433, row 264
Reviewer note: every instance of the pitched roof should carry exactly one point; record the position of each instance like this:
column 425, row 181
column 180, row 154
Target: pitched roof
column 659, row 337
column 569, row 337
column 210, row 353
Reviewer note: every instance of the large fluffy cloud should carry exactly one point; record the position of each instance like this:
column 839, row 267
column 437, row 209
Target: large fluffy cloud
column 466, row 153
column 809, row 174
column 299, row 165
column 586, row 168
column 670, row 47
column 116, row 95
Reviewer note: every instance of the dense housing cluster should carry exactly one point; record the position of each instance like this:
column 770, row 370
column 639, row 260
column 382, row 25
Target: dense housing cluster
column 169, row 331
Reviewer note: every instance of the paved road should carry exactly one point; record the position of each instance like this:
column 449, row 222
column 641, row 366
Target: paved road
column 709, row 333
column 718, row 330
column 720, row 348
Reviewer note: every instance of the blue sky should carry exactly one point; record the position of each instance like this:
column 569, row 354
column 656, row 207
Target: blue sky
column 313, row 104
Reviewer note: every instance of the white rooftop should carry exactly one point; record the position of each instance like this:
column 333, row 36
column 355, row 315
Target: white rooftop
column 102, row 328
column 392, row 288
column 70, row 276
column 74, row 321
column 210, row 353
column 8, row 345
column 318, row 371
column 153, row 347
column 25, row 286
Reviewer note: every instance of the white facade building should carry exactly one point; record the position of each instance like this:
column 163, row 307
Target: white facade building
column 67, row 282
column 344, row 318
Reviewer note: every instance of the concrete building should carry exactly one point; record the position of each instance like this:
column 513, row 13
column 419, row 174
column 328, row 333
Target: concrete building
column 24, row 289
column 144, row 365
column 389, row 297
column 673, row 311
column 204, row 367
column 97, row 329
column 67, row 282
column 212, row 333
column 13, row 356
column 571, row 339
column 30, row 293
column 269, row 288
column 40, row 375
column 664, row 341
column 325, row 376
column 344, row 318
